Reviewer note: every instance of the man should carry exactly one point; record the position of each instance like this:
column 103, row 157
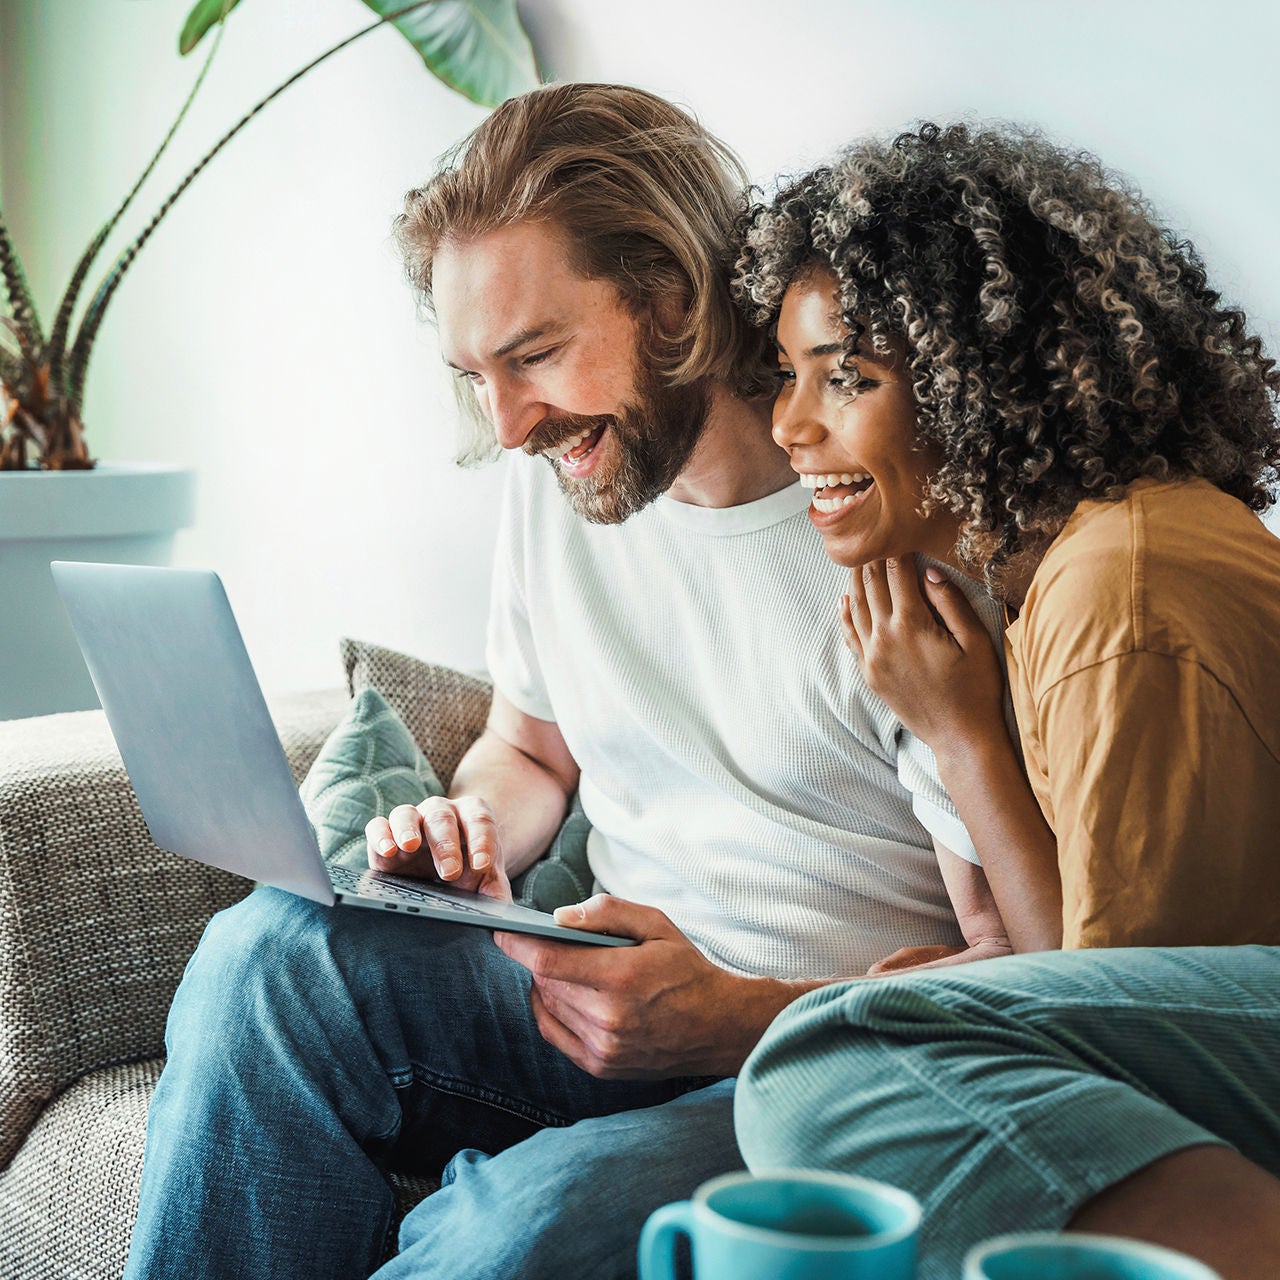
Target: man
column 665, row 642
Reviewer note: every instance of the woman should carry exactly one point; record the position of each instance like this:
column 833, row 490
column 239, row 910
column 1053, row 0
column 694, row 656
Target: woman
column 1024, row 376
column 1072, row 415
column 848, row 421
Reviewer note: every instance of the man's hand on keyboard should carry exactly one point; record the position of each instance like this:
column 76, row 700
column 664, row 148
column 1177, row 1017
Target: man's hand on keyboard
column 455, row 841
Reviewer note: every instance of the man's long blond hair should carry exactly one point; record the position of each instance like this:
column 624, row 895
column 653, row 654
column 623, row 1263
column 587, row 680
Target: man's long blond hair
column 647, row 199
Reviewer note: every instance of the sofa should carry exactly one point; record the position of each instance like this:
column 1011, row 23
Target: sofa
column 96, row 925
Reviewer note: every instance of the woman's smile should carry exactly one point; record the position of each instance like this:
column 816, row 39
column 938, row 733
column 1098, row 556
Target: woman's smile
column 832, row 492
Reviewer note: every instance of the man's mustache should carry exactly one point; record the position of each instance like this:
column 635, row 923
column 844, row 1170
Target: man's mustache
column 552, row 432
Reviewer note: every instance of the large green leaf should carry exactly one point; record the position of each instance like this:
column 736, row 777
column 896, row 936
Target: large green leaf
column 205, row 15
column 477, row 47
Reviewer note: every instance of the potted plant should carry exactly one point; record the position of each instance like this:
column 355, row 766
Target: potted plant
column 56, row 501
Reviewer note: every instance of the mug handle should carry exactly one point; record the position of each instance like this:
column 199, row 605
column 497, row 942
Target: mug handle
column 658, row 1240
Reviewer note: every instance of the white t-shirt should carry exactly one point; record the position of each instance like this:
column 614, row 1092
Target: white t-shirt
column 737, row 772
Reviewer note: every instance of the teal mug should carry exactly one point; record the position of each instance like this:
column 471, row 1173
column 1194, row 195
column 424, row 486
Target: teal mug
column 1071, row 1256
column 792, row 1225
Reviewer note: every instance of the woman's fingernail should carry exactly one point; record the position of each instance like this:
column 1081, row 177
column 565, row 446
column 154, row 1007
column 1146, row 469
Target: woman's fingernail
column 450, row 867
column 385, row 846
column 935, row 575
column 480, row 861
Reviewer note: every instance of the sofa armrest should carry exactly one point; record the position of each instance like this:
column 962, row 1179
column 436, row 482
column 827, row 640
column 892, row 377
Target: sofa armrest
column 96, row 923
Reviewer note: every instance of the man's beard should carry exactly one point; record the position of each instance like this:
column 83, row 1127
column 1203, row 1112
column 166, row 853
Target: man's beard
column 654, row 437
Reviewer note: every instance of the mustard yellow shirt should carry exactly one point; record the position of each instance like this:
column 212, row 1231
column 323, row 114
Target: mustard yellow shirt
column 1145, row 672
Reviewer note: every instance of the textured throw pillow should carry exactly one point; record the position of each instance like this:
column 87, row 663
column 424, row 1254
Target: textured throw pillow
column 443, row 712
column 368, row 765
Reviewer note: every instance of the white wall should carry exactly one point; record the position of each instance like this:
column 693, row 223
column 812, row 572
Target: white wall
column 266, row 338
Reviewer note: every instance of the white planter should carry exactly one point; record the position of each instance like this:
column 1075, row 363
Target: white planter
column 119, row 512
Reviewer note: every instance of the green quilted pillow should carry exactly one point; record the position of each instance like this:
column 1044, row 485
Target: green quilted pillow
column 368, row 765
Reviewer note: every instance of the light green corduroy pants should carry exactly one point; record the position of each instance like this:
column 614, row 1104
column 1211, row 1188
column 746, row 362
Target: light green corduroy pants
column 1007, row 1093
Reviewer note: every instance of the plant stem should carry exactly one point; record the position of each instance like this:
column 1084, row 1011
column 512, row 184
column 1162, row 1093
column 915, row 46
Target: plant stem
column 56, row 350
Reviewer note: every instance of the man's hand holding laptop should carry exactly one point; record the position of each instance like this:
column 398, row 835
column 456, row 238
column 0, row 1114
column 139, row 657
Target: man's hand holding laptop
column 653, row 1011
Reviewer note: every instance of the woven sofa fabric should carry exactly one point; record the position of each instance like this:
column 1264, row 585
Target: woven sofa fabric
column 443, row 709
column 68, row 1200
column 96, row 923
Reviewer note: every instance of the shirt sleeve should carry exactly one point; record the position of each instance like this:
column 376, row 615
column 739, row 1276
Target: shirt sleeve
column 1158, row 786
column 917, row 768
column 918, row 772
column 510, row 652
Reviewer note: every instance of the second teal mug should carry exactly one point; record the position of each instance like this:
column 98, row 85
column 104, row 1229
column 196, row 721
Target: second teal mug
column 1045, row 1256
column 793, row 1225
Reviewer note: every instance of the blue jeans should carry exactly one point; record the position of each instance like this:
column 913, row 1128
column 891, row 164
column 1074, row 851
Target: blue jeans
column 310, row 1047
column 1008, row 1093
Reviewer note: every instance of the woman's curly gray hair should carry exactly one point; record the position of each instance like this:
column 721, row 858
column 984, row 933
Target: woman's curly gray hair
column 1060, row 343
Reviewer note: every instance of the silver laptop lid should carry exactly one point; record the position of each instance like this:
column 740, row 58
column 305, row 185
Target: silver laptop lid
column 188, row 715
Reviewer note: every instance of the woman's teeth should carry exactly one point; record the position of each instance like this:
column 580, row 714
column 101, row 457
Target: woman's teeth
column 821, row 481
column 833, row 504
column 836, row 480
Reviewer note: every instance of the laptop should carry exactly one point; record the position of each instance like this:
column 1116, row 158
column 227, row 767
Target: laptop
column 211, row 777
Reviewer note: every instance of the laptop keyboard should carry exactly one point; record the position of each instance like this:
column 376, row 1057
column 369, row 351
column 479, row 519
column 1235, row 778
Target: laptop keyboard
column 368, row 884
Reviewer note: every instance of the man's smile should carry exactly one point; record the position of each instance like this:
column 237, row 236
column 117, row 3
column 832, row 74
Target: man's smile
column 577, row 456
